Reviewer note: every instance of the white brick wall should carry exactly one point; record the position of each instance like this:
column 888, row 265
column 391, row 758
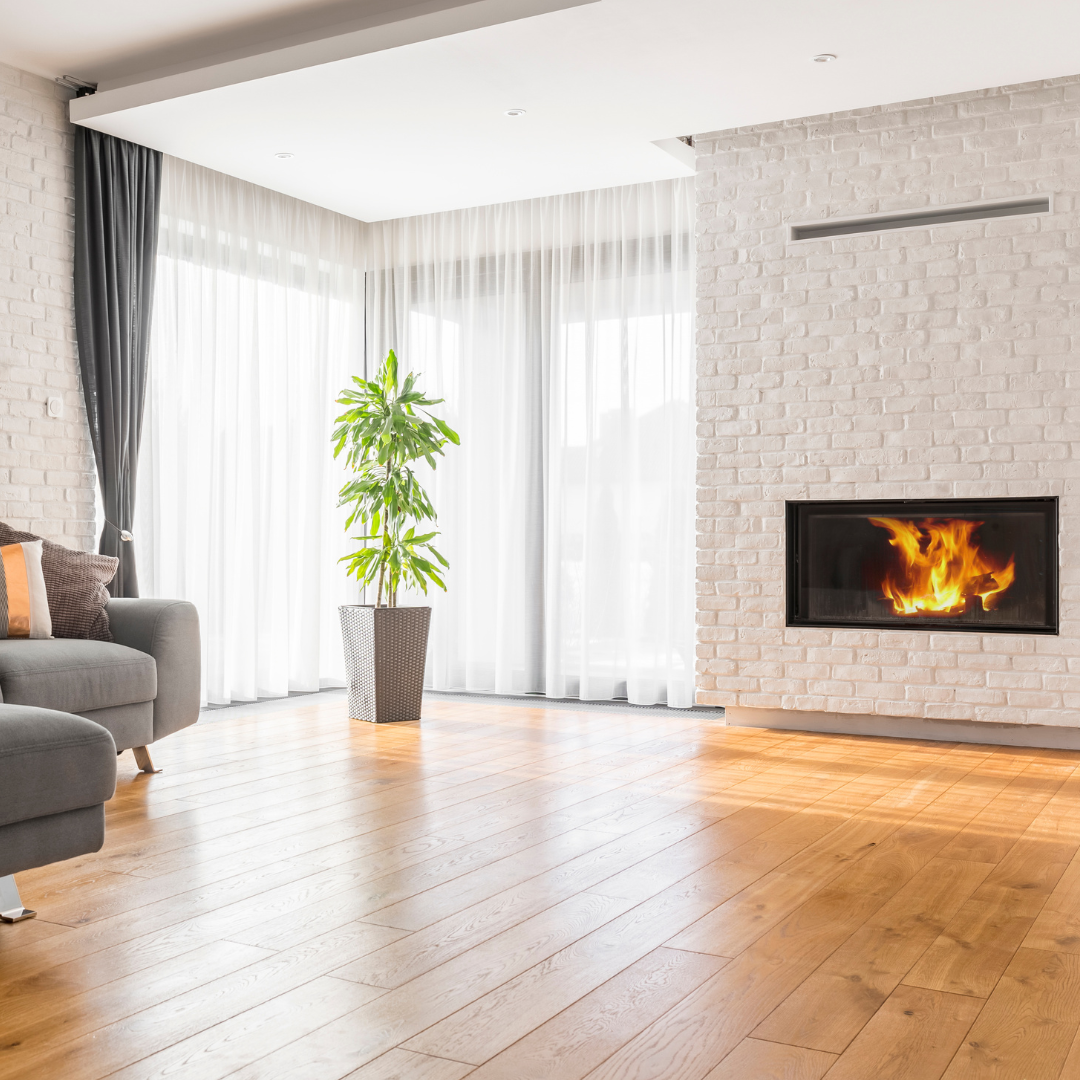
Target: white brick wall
column 46, row 465
column 926, row 363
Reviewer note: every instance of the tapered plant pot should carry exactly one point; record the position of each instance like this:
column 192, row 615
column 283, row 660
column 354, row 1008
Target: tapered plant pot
column 385, row 653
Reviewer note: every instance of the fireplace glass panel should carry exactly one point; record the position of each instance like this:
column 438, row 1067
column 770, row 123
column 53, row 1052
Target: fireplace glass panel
column 986, row 565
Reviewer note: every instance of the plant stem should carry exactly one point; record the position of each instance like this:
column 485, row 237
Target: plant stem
column 386, row 535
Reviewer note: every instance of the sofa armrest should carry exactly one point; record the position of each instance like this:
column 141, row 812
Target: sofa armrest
column 169, row 631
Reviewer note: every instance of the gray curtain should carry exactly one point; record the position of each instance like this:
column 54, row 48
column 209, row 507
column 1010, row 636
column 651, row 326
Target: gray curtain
column 117, row 195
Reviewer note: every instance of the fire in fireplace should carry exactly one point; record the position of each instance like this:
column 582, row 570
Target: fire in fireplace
column 940, row 567
column 989, row 565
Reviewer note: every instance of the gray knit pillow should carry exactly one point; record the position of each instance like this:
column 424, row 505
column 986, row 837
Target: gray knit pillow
column 75, row 584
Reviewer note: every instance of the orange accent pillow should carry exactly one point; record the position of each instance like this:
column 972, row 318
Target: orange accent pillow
column 24, row 604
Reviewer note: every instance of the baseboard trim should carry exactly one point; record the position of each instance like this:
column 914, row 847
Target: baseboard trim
column 905, row 727
column 542, row 701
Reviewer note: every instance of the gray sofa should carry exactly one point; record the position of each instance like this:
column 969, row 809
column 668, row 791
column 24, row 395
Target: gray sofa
column 69, row 707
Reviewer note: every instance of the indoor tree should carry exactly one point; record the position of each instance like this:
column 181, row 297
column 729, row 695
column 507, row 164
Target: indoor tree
column 385, row 429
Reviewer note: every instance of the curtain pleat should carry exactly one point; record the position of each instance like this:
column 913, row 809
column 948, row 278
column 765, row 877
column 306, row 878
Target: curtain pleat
column 117, row 192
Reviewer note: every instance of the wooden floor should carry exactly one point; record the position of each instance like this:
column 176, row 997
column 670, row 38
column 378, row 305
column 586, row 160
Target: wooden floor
column 508, row 893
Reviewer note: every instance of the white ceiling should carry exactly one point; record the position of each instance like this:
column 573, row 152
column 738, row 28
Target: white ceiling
column 421, row 127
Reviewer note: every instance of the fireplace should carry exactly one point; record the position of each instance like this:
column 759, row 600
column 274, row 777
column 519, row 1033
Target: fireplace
column 983, row 565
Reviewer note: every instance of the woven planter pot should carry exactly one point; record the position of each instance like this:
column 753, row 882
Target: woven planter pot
column 385, row 652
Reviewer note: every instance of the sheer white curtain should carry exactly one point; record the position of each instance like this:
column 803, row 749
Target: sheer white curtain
column 258, row 321
column 560, row 333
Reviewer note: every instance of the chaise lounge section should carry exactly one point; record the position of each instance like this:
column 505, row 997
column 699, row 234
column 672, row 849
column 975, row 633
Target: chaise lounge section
column 57, row 771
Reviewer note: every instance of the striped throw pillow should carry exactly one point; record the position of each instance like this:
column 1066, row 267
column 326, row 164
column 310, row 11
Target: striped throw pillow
column 24, row 605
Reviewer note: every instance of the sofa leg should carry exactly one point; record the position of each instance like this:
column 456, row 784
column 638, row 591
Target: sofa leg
column 11, row 905
column 142, row 759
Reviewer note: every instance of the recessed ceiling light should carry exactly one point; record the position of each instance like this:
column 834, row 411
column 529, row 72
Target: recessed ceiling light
column 284, row 155
column 515, row 112
column 824, row 58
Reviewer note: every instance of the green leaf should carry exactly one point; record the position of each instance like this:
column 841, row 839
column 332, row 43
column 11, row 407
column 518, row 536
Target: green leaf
column 447, row 430
column 383, row 429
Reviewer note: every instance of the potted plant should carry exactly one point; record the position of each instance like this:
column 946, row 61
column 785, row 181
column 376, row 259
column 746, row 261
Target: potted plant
column 384, row 430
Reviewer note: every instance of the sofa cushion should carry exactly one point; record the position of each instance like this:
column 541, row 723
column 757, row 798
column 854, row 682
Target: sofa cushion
column 52, row 762
column 75, row 676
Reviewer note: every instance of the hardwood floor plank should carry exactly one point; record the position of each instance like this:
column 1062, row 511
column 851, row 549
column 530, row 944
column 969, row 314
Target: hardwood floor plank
column 41, row 930
column 119, row 951
column 1071, row 1069
column 833, row 1005
column 771, row 1061
column 392, row 1019
column 701, row 1031
column 346, row 893
column 445, row 899
column 76, row 1002
column 734, row 925
column 493, row 1022
column 726, row 837
column 975, row 948
column 994, row 830
column 569, row 1045
column 227, row 880
column 156, row 1028
column 977, row 945
column 1057, row 926
column 218, row 1051
column 405, row 1065
column 450, row 937
column 1029, row 1023
column 913, row 1036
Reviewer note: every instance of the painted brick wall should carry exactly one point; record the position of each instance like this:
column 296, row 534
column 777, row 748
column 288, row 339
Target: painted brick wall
column 46, row 465
column 919, row 364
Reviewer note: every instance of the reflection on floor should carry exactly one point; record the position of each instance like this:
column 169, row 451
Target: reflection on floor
column 509, row 893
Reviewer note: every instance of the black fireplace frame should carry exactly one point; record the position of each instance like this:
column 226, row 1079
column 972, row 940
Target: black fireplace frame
column 919, row 508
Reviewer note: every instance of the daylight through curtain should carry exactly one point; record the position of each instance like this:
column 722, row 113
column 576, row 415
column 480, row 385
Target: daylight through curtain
column 560, row 333
column 258, row 320
column 558, row 330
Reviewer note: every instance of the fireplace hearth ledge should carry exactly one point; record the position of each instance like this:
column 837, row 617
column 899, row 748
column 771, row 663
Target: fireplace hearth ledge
column 906, row 727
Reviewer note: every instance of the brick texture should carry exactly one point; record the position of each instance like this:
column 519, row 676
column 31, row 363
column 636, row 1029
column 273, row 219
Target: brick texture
column 46, row 465
column 924, row 363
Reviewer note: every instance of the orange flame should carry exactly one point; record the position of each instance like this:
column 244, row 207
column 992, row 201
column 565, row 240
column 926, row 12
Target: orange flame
column 941, row 567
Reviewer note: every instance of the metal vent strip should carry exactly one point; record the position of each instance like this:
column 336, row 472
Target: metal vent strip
column 920, row 219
